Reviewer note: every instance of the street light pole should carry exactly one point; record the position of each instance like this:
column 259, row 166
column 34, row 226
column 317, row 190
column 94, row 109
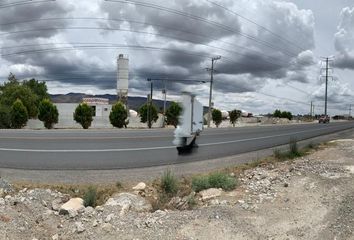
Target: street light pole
column 211, row 87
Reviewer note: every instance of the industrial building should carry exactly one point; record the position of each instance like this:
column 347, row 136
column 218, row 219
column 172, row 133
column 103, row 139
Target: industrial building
column 101, row 107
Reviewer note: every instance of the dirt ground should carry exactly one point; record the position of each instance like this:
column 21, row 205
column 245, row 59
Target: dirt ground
column 309, row 198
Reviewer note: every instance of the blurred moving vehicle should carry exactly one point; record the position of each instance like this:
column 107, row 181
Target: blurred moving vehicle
column 324, row 119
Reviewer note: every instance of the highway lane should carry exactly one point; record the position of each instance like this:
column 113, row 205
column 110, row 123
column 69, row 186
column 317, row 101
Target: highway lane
column 116, row 149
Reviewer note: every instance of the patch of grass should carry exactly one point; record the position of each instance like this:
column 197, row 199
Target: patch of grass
column 311, row 145
column 90, row 197
column 169, row 183
column 200, row 183
column 119, row 185
column 293, row 149
column 214, row 180
column 191, row 202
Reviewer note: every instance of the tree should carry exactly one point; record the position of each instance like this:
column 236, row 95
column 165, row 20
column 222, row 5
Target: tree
column 118, row 116
column 11, row 92
column 83, row 115
column 19, row 114
column 38, row 88
column 277, row 113
column 48, row 113
column 143, row 113
column 234, row 115
column 5, row 117
column 287, row 115
column 216, row 116
column 173, row 113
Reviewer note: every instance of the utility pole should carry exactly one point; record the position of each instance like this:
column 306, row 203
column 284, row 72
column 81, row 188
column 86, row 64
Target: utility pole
column 164, row 103
column 211, row 86
column 350, row 111
column 327, row 60
column 149, row 105
column 311, row 109
column 327, row 68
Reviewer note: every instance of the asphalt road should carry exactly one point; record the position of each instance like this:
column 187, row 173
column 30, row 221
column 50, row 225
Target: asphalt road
column 123, row 149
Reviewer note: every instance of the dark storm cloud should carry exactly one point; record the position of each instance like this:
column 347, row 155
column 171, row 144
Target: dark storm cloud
column 192, row 23
column 237, row 84
column 25, row 17
column 238, row 72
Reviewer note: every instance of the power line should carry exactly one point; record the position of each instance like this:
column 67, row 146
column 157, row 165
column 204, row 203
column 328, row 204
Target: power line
column 255, row 23
column 128, row 30
column 142, row 23
column 212, row 23
column 21, row 3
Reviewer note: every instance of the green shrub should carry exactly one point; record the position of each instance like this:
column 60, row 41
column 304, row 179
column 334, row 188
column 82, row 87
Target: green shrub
column 222, row 180
column 147, row 112
column 173, row 113
column 83, row 115
column 278, row 154
column 118, row 115
column 214, row 180
column 5, row 117
column 48, row 113
column 90, row 197
column 293, row 148
column 216, row 115
column 200, row 183
column 19, row 114
column 169, row 183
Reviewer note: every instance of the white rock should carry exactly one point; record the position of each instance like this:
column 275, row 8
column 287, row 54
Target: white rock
column 99, row 208
column 2, row 201
column 107, row 227
column 72, row 213
column 75, row 204
column 109, row 218
column 140, row 187
column 55, row 237
column 210, row 193
column 89, row 210
column 79, row 227
column 56, row 204
column 128, row 201
column 95, row 223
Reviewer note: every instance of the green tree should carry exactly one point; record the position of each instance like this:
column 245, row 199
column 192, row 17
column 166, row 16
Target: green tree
column 277, row 113
column 83, row 115
column 118, row 116
column 38, row 88
column 148, row 109
column 216, row 116
column 173, row 113
column 5, row 117
column 48, row 113
column 19, row 115
column 287, row 115
column 11, row 92
column 234, row 115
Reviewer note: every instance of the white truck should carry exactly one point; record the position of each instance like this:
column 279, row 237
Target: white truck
column 190, row 124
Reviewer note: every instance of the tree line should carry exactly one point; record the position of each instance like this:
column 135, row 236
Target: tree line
column 29, row 99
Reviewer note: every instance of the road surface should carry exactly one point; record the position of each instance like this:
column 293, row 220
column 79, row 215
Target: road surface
column 124, row 149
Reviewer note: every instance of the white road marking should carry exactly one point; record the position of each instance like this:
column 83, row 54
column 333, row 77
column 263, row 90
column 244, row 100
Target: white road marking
column 152, row 148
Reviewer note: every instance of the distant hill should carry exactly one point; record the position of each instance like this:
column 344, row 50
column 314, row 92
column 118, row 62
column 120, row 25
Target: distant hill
column 133, row 102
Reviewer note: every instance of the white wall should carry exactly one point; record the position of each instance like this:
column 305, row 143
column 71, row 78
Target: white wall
column 101, row 120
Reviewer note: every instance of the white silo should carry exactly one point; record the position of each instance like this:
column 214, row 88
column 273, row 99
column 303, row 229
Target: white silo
column 122, row 78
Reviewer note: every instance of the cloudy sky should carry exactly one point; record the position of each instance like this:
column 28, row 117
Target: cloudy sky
column 271, row 51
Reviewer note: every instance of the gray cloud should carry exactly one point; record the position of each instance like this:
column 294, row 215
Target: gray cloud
column 344, row 40
column 25, row 16
column 243, row 69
